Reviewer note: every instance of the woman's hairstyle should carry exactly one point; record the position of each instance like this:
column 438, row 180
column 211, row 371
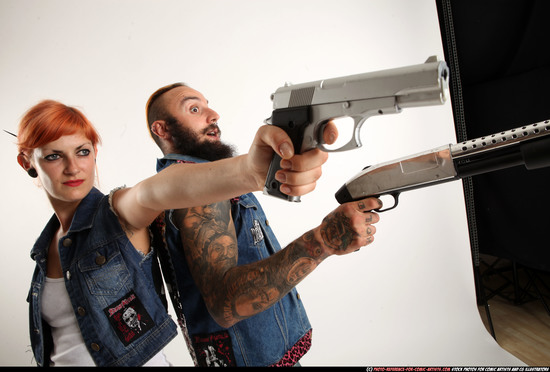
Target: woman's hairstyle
column 48, row 121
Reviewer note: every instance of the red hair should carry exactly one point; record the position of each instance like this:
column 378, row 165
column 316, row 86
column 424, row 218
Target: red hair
column 49, row 120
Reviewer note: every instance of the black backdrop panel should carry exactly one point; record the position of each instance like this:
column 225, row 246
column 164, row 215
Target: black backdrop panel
column 501, row 51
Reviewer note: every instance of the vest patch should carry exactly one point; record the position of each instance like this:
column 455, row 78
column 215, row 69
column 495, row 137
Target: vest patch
column 214, row 349
column 257, row 233
column 129, row 318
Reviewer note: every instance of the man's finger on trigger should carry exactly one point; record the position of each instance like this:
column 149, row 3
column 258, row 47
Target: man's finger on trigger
column 369, row 204
column 330, row 133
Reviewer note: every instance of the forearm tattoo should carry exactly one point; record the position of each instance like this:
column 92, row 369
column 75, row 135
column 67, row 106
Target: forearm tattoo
column 233, row 292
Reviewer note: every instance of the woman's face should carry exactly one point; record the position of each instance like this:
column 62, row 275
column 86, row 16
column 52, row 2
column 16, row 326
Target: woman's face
column 66, row 167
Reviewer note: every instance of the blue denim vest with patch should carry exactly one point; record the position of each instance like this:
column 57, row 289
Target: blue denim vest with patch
column 104, row 276
column 261, row 340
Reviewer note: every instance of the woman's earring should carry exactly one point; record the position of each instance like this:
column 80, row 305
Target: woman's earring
column 32, row 172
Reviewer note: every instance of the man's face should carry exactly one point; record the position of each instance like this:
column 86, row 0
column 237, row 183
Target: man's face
column 190, row 108
column 193, row 126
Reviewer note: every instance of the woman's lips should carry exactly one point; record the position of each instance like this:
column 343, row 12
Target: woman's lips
column 73, row 183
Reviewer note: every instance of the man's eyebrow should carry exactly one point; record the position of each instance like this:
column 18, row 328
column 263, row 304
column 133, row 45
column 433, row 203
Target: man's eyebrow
column 189, row 98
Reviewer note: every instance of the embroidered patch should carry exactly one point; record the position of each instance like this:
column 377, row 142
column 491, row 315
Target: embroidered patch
column 257, row 233
column 129, row 318
column 214, row 350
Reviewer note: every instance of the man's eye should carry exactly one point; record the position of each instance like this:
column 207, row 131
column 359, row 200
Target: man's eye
column 194, row 109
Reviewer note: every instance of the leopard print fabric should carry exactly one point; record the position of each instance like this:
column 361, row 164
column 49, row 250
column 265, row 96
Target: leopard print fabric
column 299, row 349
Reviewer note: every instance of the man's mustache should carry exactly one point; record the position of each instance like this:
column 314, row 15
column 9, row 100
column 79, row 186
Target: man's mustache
column 213, row 127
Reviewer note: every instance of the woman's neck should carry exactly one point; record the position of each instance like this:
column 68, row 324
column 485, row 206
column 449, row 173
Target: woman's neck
column 65, row 212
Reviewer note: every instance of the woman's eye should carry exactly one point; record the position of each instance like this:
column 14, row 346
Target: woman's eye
column 52, row 157
column 84, row 152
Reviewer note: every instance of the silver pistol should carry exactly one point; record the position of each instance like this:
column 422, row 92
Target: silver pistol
column 303, row 110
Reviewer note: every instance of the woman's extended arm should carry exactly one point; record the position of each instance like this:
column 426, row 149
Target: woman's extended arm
column 188, row 185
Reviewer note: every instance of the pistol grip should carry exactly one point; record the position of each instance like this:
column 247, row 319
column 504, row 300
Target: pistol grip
column 272, row 185
column 293, row 121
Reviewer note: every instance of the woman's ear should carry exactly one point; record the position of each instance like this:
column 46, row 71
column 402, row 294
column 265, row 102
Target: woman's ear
column 24, row 162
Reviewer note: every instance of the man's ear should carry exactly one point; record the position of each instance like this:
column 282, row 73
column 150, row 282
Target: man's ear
column 159, row 129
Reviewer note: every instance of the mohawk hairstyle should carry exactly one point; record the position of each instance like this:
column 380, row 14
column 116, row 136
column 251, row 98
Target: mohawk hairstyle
column 154, row 110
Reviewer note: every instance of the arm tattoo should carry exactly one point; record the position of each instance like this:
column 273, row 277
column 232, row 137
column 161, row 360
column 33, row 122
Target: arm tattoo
column 336, row 231
column 209, row 242
column 232, row 292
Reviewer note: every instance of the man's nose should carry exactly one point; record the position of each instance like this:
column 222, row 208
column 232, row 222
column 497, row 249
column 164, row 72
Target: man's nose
column 213, row 116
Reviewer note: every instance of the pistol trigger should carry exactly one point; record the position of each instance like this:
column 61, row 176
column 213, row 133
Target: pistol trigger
column 358, row 123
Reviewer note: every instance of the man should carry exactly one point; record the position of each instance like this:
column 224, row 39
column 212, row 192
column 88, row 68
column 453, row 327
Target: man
column 239, row 299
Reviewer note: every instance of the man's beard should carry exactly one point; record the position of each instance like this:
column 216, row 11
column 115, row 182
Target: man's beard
column 186, row 142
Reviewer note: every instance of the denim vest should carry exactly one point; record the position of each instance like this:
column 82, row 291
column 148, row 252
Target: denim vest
column 261, row 340
column 104, row 276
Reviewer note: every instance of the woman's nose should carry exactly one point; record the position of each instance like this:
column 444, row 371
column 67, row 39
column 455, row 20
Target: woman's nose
column 71, row 166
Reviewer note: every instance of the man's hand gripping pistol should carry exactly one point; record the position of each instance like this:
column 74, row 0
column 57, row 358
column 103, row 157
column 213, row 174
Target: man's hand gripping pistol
column 303, row 110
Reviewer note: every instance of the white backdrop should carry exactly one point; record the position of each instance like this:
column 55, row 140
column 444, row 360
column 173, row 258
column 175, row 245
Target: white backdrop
column 408, row 299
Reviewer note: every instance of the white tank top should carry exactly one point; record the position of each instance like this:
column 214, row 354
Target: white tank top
column 69, row 348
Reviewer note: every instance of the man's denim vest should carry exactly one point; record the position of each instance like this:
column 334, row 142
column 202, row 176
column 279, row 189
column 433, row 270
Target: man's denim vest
column 104, row 276
column 261, row 340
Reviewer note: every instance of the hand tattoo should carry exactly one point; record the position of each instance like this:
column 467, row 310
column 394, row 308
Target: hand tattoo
column 336, row 231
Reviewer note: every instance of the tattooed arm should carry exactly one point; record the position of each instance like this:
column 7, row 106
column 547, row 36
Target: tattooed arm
column 233, row 293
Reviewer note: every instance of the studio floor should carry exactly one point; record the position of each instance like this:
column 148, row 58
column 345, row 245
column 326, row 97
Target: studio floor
column 519, row 317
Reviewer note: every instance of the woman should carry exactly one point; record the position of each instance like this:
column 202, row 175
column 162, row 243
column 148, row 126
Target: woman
column 93, row 299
